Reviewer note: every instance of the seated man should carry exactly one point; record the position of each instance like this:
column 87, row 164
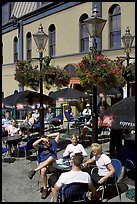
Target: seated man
column 87, row 112
column 36, row 116
column 74, row 148
column 47, row 155
column 5, row 123
column 48, row 116
column 75, row 175
column 86, row 128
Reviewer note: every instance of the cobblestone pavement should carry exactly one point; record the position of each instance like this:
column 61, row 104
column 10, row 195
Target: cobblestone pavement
column 16, row 186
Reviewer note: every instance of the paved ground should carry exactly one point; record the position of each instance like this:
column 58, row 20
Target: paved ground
column 16, row 186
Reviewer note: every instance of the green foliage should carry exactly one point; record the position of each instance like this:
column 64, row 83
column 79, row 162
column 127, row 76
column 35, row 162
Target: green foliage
column 96, row 69
column 27, row 75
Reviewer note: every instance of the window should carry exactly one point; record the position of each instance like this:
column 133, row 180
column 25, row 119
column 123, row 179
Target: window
column 115, row 26
column 2, row 54
column 52, row 40
column 84, row 36
column 15, row 49
column 29, row 46
column 71, row 69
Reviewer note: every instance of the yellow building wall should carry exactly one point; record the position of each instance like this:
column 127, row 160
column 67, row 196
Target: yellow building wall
column 67, row 29
column 7, row 40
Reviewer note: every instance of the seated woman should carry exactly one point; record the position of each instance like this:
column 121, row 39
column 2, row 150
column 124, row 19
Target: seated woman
column 30, row 119
column 103, row 163
column 12, row 129
column 28, row 123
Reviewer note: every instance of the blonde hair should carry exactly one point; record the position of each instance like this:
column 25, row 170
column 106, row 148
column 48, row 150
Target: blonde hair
column 97, row 148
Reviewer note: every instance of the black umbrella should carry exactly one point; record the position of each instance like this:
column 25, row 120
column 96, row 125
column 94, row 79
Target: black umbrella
column 26, row 97
column 113, row 92
column 123, row 113
column 68, row 94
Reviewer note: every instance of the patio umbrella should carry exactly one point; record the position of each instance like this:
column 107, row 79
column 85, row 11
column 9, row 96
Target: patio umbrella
column 123, row 113
column 26, row 97
column 68, row 94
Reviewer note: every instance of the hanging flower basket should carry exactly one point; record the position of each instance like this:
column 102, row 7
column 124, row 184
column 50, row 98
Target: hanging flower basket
column 128, row 71
column 96, row 69
column 29, row 76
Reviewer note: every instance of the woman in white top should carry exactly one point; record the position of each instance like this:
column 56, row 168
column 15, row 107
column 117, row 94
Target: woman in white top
column 12, row 130
column 103, row 162
column 74, row 148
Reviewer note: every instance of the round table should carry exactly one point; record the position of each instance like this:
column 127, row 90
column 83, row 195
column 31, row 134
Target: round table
column 12, row 138
column 64, row 166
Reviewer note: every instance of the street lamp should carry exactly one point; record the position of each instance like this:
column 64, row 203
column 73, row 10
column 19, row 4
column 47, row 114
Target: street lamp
column 95, row 25
column 127, row 40
column 40, row 39
column 14, row 21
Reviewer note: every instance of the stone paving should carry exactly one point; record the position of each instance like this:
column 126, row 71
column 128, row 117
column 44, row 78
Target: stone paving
column 16, row 186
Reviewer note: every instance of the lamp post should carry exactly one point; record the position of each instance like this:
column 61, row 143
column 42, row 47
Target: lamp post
column 40, row 39
column 127, row 40
column 95, row 25
column 18, row 24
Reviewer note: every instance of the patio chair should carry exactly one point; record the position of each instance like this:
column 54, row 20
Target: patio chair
column 73, row 192
column 127, row 153
column 129, row 169
column 70, row 118
column 28, row 148
column 4, row 152
column 111, row 182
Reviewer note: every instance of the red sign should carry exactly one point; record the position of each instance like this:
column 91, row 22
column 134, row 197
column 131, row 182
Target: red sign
column 107, row 120
column 60, row 99
column 20, row 106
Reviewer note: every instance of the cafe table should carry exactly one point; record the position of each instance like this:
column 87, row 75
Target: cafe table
column 64, row 165
column 12, row 138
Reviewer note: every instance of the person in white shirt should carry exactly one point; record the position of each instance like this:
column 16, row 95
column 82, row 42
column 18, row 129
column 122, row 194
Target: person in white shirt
column 87, row 112
column 12, row 129
column 103, row 162
column 36, row 115
column 75, row 175
column 48, row 116
column 74, row 148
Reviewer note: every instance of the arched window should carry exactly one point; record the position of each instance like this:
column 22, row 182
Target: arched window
column 15, row 49
column 115, row 26
column 29, row 46
column 84, row 36
column 71, row 69
column 52, row 40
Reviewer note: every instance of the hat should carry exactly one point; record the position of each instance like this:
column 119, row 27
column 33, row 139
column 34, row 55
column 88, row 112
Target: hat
column 88, row 105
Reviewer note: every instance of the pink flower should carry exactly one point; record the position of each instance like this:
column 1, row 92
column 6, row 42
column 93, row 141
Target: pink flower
column 99, row 58
column 103, row 65
column 81, row 63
